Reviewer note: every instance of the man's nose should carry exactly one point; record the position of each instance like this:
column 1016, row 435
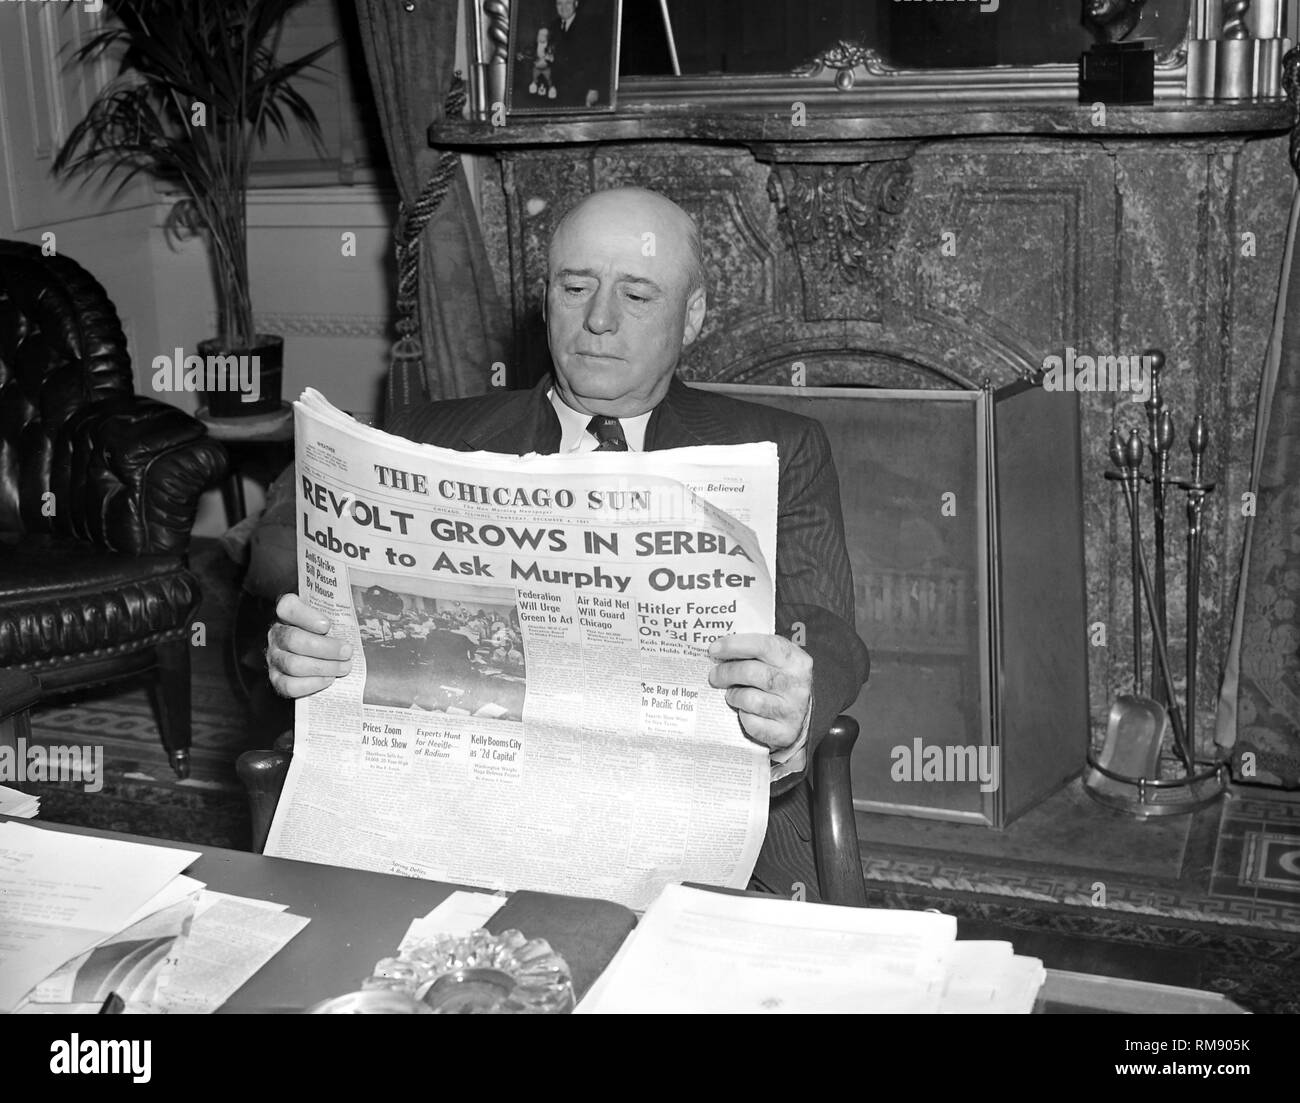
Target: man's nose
column 602, row 315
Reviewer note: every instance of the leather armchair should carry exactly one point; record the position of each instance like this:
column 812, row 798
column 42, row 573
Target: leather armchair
column 98, row 492
column 18, row 692
column 835, row 834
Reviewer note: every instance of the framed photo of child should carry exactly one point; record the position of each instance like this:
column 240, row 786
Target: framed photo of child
column 563, row 56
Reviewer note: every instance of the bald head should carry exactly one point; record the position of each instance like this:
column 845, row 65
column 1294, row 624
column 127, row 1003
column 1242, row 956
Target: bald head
column 625, row 295
column 643, row 211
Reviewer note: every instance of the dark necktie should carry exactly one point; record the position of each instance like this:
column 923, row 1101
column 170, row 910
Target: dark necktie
column 609, row 433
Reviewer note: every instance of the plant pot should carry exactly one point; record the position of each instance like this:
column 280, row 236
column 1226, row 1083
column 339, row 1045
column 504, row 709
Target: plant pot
column 243, row 382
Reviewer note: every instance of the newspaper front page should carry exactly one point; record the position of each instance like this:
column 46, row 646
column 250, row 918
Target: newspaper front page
column 528, row 705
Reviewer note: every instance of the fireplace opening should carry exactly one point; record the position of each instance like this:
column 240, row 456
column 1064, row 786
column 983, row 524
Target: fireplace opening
column 963, row 520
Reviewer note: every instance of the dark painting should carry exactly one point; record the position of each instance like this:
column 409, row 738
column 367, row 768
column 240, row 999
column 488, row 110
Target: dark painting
column 775, row 36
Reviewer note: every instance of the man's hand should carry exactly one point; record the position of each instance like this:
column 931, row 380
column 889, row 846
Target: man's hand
column 300, row 657
column 768, row 681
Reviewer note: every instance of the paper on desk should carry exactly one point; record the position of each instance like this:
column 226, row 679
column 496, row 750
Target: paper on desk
column 176, row 890
column 118, row 965
column 23, row 805
column 699, row 951
column 130, row 964
column 211, row 897
column 459, row 914
column 61, row 894
column 989, row 978
column 229, row 941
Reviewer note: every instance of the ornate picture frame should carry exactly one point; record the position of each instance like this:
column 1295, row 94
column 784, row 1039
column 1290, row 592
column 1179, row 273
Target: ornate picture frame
column 562, row 57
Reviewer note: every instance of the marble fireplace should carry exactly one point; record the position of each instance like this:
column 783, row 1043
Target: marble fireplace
column 954, row 246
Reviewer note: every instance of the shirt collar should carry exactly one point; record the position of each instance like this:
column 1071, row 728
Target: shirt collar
column 573, row 427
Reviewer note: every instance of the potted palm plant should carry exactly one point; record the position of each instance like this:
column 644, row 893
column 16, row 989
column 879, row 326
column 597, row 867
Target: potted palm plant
column 199, row 84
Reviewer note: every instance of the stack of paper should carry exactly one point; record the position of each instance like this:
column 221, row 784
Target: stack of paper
column 82, row 918
column 63, row 894
column 231, row 938
column 986, row 978
column 22, row 805
column 698, row 951
column 132, row 963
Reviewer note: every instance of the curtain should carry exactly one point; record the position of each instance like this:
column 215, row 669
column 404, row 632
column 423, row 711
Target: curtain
column 410, row 47
column 1259, row 706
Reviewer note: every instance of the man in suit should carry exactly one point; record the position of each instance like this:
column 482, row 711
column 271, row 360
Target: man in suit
column 583, row 43
column 618, row 316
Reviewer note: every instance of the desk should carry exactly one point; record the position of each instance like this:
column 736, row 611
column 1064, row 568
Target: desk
column 359, row 917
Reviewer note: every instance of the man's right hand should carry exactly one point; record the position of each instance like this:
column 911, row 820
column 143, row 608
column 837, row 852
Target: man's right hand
column 300, row 658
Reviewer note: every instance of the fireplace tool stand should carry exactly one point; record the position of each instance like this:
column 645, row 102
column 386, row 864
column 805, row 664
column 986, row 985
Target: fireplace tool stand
column 1148, row 765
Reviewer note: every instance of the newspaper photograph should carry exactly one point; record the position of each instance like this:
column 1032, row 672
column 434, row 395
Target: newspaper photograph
column 528, row 705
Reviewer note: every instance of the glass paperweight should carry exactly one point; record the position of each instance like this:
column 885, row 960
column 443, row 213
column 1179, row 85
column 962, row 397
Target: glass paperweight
column 479, row 974
column 376, row 1001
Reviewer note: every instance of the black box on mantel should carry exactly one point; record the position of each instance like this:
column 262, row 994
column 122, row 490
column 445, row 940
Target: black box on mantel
column 1118, row 72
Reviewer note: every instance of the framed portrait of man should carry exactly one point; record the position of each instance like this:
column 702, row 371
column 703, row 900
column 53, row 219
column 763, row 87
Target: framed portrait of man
column 563, row 56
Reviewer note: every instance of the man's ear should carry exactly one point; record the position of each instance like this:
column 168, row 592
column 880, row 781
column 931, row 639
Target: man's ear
column 696, row 307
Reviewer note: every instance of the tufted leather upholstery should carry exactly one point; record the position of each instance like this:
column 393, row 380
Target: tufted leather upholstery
column 98, row 492
column 66, row 597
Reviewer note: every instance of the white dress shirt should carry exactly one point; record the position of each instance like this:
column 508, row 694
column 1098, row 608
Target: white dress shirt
column 575, row 437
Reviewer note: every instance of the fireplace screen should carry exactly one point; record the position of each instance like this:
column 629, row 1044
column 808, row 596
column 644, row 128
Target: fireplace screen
column 967, row 558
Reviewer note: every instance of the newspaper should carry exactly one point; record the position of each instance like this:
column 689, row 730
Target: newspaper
column 528, row 705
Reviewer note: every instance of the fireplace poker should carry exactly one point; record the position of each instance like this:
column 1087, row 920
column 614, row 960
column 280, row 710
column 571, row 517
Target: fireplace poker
column 1161, row 425
column 1120, row 456
column 1132, row 461
column 1137, row 725
column 1197, row 442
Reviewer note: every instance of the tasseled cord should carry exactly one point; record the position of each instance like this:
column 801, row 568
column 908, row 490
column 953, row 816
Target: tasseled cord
column 407, row 359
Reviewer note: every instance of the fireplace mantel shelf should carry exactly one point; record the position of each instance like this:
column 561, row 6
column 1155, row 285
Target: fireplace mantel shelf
column 852, row 122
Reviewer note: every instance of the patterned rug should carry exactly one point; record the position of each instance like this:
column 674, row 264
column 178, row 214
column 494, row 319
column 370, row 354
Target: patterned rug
column 1236, row 863
column 141, row 794
column 1257, row 862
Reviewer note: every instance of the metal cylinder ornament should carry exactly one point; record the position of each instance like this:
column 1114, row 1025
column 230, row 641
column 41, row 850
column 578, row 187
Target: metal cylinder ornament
column 497, row 66
column 1234, row 77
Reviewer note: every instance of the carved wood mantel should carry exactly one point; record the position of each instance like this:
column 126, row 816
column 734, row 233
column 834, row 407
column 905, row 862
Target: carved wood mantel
column 842, row 221
column 942, row 245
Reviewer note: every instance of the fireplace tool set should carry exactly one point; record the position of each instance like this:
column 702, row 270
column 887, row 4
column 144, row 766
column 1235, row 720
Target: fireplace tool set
column 1128, row 773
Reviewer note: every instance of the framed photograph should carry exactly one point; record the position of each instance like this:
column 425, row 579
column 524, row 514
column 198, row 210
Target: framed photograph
column 563, row 56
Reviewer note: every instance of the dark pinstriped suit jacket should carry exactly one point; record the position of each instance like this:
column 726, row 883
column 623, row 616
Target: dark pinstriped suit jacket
column 814, row 584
